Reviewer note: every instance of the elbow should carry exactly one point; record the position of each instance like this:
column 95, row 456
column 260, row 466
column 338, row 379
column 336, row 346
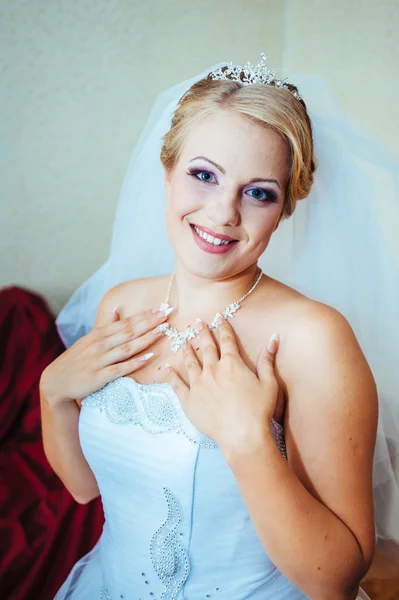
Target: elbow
column 85, row 493
column 348, row 588
column 334, row 595
column 336, row 589
column 349, row 593
column 81, row 499
column 84, row 498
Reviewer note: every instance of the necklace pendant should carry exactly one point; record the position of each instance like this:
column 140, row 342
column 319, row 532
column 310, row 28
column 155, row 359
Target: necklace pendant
column 178, row 338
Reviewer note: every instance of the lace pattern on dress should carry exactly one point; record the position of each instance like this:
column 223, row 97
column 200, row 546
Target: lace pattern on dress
column 156, row 409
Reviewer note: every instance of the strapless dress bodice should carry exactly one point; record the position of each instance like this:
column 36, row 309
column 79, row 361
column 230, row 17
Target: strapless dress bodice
column 176, row 526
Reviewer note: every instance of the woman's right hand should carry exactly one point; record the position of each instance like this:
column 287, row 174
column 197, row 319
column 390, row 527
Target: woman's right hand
column 101, row 356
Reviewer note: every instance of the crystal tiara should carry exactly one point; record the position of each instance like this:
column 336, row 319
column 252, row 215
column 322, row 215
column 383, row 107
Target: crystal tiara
column 253, row 74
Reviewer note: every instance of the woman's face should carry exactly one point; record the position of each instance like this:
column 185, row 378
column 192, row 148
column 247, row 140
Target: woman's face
column 225, row 195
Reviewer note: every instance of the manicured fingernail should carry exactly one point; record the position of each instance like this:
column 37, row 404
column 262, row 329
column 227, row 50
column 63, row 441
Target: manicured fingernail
column 146, row 357
column 201, row 324
column 219, row 319
column 273, row 343
column 167, row 311
column 115, row 308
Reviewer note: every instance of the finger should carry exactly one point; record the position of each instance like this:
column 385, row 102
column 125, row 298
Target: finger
column 121, row 369
column 191, row 363
column 135, row 325
column 227, row 338
column 118, row 349
column 207, row 345
column 149, row 323
column 267, row 357
column 180, row 388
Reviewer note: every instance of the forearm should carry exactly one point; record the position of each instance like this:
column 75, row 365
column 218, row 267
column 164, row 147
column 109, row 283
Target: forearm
column 308, row 543
column 63, row 450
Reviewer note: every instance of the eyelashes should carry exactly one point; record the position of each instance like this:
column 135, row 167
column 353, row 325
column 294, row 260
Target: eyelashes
column 198, row 172
column 260, row 195
column 268, row 196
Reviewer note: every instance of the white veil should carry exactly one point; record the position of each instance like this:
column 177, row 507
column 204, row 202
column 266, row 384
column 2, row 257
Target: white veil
column 340, row 247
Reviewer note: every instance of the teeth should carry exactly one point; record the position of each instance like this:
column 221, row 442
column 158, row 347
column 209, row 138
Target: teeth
column 209, row 238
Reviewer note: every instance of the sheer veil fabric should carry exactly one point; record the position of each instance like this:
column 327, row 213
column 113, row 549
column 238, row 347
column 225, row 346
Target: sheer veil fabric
column 339, row 247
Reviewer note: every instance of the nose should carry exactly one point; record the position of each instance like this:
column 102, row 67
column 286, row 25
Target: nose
column 224, row 210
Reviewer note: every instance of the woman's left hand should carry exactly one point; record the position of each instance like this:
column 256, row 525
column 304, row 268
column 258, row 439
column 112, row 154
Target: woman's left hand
column 223, row 398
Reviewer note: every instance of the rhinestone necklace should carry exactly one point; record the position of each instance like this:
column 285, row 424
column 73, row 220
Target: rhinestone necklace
column 178, row 338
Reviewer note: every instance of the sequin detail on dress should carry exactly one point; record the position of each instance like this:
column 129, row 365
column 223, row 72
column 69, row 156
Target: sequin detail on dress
column 278, row 434
column 169, row 557
column 156, row 409
column 104, row 594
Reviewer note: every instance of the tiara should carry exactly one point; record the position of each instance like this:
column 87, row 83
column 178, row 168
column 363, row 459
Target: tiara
column 252, row 75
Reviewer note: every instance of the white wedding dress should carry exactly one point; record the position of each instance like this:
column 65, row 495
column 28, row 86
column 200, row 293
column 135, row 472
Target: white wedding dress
column 176, row 525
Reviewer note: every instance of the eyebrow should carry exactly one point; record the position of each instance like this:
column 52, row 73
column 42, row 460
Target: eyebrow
column 222, row 170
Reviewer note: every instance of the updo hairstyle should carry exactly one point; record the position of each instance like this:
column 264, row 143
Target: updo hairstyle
column 266, row 105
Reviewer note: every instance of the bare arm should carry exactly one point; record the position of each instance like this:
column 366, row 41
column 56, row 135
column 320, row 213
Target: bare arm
column 314, row 516
column 63, row 451
column 60, row 418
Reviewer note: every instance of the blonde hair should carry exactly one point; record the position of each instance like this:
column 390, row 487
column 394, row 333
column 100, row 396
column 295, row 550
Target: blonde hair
column 266, row 105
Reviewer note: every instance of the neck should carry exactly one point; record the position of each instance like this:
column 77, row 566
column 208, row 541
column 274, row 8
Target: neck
column 193, row 296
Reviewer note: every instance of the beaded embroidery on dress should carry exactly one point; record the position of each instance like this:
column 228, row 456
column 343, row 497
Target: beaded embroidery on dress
column 156, row 409
column 169, row 557
column 152, row 407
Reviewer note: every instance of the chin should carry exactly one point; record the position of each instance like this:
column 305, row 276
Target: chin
column 213, row 274
column 213, row 268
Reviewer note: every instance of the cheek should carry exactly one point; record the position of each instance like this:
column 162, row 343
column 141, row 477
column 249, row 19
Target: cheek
column 259, row 222
column 259, row 225
column 184, row 198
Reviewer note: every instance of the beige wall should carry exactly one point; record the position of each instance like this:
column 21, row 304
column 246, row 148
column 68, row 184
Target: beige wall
column 354, row 44
column 79, row 78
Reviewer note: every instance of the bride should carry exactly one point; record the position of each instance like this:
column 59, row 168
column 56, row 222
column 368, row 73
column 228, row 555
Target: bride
column 228, row 420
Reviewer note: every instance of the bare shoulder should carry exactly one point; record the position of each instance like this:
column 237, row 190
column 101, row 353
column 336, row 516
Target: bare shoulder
column 133, row 296
column 306, row 326
column 318, row 333
column 316, row 341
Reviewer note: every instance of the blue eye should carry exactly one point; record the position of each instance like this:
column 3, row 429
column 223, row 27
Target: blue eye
column 261, row 195
column 205, row 176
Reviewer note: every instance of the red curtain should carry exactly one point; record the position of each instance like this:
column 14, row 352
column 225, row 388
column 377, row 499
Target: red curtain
column 43, row 531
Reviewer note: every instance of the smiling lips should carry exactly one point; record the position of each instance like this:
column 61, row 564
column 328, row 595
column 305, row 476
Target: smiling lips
column 209, row 241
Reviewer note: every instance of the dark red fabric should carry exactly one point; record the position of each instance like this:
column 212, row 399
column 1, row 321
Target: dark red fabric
column 43, row 531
